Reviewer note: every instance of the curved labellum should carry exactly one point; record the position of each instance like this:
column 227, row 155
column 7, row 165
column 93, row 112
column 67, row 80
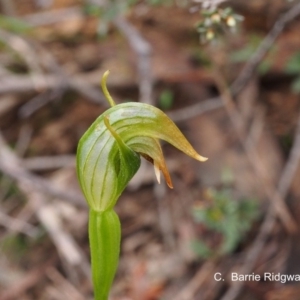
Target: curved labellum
column 108, row 157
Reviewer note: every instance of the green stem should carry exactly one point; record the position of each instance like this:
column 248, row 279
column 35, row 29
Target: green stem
column 105, row 236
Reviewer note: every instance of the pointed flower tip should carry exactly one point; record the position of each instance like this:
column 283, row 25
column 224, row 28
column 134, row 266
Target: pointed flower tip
column 104, row 78
column 157, row 172
column 170, row 185
column 201, row 158
column 166, row 175
column 106, row 73
column 105, row 90
column 167, row 178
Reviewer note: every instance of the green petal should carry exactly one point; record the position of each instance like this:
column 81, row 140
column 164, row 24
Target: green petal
column 151, row 150
column 139, row 119
column 100, row 156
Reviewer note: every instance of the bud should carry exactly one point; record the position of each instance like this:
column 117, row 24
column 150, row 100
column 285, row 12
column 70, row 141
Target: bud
column 216, row 18
column 230, row 21
column 210, row 34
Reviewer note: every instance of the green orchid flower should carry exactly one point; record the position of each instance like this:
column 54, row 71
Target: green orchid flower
column 108, row 156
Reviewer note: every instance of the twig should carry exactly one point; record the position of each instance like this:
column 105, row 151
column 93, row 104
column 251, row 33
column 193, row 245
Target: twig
column 285, row 181
column 24, row 49
column 273, row 195
column 263, row 48
column 164, row 217
column 83, row 88
column 209, row 4
column 143, row 50
column 190, row 289
column 53, row 16
column 45, row 211
column 246, row 73
column 139, row 45
column 24, row 139
column 12, row 166
column 48, row 162
column 29, row 53
column 65, row 81
column 44, row 3
column 16, row 225
column 292, row 164
column 27, row 281
column 81, row 82
column 256, row 128
column 195, row 110
column 39, row 81
column 48, row 216
column 68, row 290
column 198, row 108
column 39, row 101
column 252, row 254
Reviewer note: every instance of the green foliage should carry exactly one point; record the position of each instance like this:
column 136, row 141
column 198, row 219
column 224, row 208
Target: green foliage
column 244, row 54
column 92, row 9
column 201, row 249
column 293, row 68
column 14, row 246
column 166, row 99
column 227, row 177
column 14, row 25
column 226, row 217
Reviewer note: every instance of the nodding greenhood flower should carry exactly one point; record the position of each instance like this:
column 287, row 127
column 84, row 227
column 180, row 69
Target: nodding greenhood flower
column 108, row 156
column 108, row 153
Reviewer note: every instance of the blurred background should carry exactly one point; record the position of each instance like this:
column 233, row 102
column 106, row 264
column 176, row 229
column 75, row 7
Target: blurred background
column 228, row 74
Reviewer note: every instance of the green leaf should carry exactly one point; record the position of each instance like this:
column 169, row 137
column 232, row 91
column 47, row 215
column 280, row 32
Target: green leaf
column 201, row 249
column 227, row 216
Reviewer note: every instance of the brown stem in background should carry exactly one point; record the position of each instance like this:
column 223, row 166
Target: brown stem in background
column 284, row 184
column 246, row 73
column 143, row 50
column 276, row 196
column 270, row 191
